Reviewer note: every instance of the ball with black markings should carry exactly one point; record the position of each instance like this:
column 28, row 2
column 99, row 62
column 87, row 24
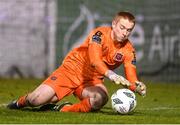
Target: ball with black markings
column 123, row 101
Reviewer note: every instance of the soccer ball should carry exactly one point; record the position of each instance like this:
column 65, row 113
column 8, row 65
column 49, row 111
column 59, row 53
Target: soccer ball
column 123, row 101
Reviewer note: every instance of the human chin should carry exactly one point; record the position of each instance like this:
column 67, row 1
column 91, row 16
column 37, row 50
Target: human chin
column 120, row 39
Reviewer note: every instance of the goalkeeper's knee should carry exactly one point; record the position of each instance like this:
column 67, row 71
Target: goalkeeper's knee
column 98, row 100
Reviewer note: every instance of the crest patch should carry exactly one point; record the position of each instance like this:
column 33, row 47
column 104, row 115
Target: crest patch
column 118, row 57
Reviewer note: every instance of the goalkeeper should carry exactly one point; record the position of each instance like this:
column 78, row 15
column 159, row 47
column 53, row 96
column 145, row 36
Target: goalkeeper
column 83, row 70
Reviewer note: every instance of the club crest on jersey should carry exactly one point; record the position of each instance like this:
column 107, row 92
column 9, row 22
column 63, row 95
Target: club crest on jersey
column 118, row 57
column 97, row 37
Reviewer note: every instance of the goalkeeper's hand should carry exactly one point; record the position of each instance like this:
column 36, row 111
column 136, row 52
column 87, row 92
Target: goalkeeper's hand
column 140, row 88
column 117, row 79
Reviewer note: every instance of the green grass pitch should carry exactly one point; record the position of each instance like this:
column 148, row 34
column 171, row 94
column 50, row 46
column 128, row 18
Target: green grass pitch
column 161, row 105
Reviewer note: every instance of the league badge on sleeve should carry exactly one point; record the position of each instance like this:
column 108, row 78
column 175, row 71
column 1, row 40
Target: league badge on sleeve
column 97, row 37
column 134, row 60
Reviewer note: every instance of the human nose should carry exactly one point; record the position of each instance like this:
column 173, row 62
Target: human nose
column 125, row 32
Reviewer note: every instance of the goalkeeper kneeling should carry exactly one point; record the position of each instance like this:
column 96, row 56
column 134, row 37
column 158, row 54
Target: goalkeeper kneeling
column 83, row 70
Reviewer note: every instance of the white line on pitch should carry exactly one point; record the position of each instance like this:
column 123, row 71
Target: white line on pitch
column 160, row 108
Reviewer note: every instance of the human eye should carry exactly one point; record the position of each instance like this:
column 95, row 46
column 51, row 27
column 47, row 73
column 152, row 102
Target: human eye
column 122, row 27
column 129, row 30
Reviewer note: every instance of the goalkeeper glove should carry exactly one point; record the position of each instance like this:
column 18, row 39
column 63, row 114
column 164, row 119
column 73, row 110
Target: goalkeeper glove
column 117, row 79
column 140, row 88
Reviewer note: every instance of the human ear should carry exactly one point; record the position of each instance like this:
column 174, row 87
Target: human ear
column 113, row 24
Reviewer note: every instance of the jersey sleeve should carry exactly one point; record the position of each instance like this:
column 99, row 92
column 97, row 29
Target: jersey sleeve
column 130, row 68
column 96, row 40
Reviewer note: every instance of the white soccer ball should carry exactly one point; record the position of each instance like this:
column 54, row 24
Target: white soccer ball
column 123, row 101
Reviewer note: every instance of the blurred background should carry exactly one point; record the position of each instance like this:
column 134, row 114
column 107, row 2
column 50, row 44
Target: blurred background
column 35, row 35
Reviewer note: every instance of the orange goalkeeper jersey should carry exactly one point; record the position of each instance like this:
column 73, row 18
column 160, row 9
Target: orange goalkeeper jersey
column 96, row 55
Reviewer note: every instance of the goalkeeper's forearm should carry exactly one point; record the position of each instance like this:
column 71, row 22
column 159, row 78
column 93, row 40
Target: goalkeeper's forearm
column 117, row 78
column 110, row 75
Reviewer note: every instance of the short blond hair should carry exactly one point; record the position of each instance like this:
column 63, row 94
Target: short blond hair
column 125, row 15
